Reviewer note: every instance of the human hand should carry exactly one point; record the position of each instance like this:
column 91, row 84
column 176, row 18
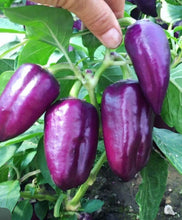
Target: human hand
column 99, row 16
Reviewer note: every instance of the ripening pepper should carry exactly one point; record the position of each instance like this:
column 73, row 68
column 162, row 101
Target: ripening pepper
column 148, row 7
column 28, row 94
column 148, row 48
column 127, row 122
column 70, row 141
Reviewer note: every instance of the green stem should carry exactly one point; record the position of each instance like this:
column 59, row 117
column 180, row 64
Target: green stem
column 125, row 68
column 26, row 176
column 177, row 61
column 59, row 66
column 17, row 172
column 74, row 203
column 72, row 67
column 124, row 22
column 75, row 89
column 106, row 63
column 81, row 33
column 57, row 205
column 92, row 96
column 42, row 197
column 12, row 48
column 126, row 72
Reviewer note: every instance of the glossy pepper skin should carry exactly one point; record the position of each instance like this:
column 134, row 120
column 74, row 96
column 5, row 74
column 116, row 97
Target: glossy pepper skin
column 148, row 7
column 148, row 48
column 71, row 137
column 127, row 122
column 28, row 94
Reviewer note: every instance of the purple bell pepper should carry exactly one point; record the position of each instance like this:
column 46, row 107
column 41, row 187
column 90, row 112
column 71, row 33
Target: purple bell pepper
column 28, row 94
column 71, row 137
column 127, row 121
column 148, row 48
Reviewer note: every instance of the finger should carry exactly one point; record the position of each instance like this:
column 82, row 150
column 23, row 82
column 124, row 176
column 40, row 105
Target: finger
column 117, row 7
column 97, row 16
column 99, row 19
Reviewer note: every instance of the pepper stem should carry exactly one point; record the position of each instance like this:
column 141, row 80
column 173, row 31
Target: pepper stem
column 124, row 22
column 74, row 203
column 75, row 89
column 38, row 196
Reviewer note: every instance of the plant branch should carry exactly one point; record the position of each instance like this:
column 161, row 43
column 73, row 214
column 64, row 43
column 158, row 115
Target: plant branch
column 75, row 89
column 26, row 176
column 38, row 196
column 124, row 22
column 12, row 48
column 74, row 203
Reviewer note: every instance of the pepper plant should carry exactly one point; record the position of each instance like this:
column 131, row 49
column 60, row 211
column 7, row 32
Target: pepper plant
column 52, row 38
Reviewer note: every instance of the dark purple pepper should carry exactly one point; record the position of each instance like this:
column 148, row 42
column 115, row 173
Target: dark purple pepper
column 71, row 136
column 127, row 121
column 148, row 48
column 148, row 7
column 28, row 94
column 159, row 123
column 77, row 25
column 30, row 2
column 136, row 13
column 176, row 24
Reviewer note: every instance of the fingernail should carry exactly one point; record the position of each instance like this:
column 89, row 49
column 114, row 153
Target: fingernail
column 112, row 38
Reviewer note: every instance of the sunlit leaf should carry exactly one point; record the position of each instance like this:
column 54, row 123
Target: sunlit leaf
column 172, row 106
column 9, row 194
column 170, row 144
column 152, row 188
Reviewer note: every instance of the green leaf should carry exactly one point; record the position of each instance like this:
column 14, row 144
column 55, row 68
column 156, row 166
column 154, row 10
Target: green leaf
column 174, row 2
column 5, row 3
column 129, row 7
column 23, row 211
column 35, row 52
column 27, row 159
column 66, row 77
column 9, row 194
column 172, row 105
column 69, row 217
column 35, row 130
column 41, row 209
column 170, row 13
column 91, row 43
column 152, row 188
column 28, row 144
column 6, row 153
column 93, row 205
column 48, row 24
column 4, row 171
column 170, row 144
column 6, row 26
column 110, row 75
column 9, row 49
column 42, row 164
column 65, row 87
column 6, row 65
column 4, row 79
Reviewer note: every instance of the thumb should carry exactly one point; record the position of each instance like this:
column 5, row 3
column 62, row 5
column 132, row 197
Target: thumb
column 98, row 18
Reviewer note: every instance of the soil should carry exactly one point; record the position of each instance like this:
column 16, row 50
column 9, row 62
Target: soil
column 119, row 197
